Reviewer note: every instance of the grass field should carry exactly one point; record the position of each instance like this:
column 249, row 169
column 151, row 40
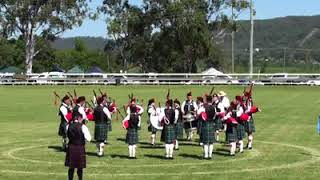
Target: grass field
column 286, row 147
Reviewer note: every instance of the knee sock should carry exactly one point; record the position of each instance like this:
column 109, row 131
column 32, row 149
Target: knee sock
column 167, row 146
column 130, row 147
column 241, row 145
column 210, row 150
column 171, row 150
column 233, row 147
column 217, row 135
column 80, row 174
column 176, row 144
column 134, row 149
column 70, row 173
column 206, row 150
column 153, row 139
column 250, row 140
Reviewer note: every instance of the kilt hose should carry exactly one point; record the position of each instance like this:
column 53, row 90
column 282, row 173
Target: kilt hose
column 168, row 134
column 241, row 133
column 250, row 126
column 132, row 136
column 101, row 132
column 207, row 133
column 63, row 129
column 231, row 133
column 76, row 156
column 179, row 130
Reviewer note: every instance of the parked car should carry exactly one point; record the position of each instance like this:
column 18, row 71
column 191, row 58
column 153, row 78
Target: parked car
column 219, row 79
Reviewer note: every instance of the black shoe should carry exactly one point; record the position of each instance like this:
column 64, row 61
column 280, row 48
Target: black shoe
column 250, row 148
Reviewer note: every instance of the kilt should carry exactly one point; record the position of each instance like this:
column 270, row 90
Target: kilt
column 101, row 132
column 218, row 124
column 207, row 133
column 168, row 134
column 241, row 133
column 63, row 129
column 132, row 136
column 76, row 156
column 109, row 125
column 249, row 125
column 231, row 133
column 199, row 126
column 152, row 129
column 179, row 130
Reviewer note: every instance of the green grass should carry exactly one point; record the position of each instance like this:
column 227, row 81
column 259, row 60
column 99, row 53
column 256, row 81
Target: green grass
column 286, row 147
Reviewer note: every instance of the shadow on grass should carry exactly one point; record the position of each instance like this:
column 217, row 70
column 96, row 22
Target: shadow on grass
column 154, row 156
column 189, row 144
column 119, row 156
column 56, row 148
column 121, row 139
column 91, row 154
column 152, row 147
column 193, row 156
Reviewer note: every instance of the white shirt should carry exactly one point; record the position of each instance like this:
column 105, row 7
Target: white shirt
column 82, row 112
column 225, row 102
column 64, row 111
column 85, row 132
column 138, row 107
column 239, row 110
column 193, row 103
column 106, row 112
column 152, row 110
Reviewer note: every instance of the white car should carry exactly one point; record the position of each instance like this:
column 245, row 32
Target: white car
column 219, row 79
column 48, row 77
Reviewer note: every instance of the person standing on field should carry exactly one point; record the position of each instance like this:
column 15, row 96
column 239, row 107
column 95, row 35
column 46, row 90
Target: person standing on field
column 78, row 134
column 65, row 113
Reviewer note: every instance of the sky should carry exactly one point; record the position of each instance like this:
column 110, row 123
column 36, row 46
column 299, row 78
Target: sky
column 266, row 9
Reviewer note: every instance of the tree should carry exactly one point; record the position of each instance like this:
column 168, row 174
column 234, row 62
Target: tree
column 48, row 18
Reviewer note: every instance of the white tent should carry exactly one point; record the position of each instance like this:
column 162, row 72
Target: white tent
column 212, row 71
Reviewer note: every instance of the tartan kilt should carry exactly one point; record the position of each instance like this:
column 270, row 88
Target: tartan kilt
column 168, row 134
column 109, row 125
column 241, row 132
column 207, row 133
column 132, row 136
column 231, row 133
column 151, row 128
column 179, row 130
column 218, row 124
column 63, row 129
column 76, row 156
column 101, row 132
column 199, row 126
column 250, row 126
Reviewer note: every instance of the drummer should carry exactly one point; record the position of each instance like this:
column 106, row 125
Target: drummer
column 189, row 109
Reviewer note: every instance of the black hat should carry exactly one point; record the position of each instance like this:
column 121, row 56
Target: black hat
column 100, row 100
column 66, row 97
column 209, row 98
column 81, row 99
column 169, row 102
column 189, row 93
column 151, row 101
column 200, row 99
column 176, row 101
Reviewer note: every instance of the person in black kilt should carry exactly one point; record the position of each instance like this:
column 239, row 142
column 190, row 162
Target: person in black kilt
column 207, row 114
column 241, row 134
column 79, row 109
column 249, row 125
column 198, row 119
column 232, row 123
column 134, row 113
column 101, row 116
column 178, row 124
column 78, row 134
column 65, row 113
column 152, row 111
column 168, row 133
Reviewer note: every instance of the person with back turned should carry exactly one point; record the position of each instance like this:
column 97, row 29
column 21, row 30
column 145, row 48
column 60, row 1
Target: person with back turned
column 78, row 134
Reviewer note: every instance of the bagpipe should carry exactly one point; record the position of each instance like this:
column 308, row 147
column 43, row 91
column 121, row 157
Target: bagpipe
column 132, row 101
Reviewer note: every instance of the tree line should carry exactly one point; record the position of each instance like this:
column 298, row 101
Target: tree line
column 157, row 36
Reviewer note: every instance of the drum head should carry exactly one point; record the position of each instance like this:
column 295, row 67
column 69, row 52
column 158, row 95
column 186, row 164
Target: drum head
column 155, row 122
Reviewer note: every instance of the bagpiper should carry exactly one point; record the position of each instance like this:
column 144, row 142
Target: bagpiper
column 79, row 109
column 207, row 114
column 65, row 113
column 178, row 125
column 231, row 131
column 168, row 133
column 200, row 103
column 224, row 100
column 189, row 109
column 77, row 133
column 241, row 118
column 101, row 116
column 134, row 112
column 220, row 112
column 152, row 111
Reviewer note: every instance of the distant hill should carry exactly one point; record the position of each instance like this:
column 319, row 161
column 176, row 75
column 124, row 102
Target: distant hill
column 68, row 43
column 291, row 31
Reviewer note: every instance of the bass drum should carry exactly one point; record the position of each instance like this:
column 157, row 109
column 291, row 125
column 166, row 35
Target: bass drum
column 156, row 120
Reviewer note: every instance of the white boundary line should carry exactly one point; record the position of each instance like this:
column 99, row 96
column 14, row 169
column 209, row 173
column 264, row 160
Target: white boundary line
column 315, row 158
